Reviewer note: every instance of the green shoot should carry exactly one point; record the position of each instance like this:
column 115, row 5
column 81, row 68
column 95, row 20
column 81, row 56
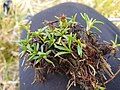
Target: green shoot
column 114, row 43
column 90, row 22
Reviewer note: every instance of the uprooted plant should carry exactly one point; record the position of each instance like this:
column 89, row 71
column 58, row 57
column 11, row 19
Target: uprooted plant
column 66, row 47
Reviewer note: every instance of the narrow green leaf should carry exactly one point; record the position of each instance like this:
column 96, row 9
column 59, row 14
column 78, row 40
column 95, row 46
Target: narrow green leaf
column 41, row 54
column 61, row 53
column 37, row 61
column 74, row 17
column 85, row 16
column 96, row 28
column 42, row 48
column 64, row 45
column 49, row 61
column 79, row 50
column 36, row 57
column 82, row 16
column 101, row 88
column 60, row 47
column 118, row 45
column 59, row 40
column 37, row 47
column 99, row 22
column 22, row 54
column 48, row 52
column 31, row 57
column 29, row 48
column 112, row 41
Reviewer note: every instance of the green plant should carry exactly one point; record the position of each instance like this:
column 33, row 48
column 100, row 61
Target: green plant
column 49, row 46
column 9, row 50
column 114, row 43
column 79, row 54
column 90, row 22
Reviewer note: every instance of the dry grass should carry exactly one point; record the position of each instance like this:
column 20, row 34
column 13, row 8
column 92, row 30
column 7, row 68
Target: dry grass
column 9, row 33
